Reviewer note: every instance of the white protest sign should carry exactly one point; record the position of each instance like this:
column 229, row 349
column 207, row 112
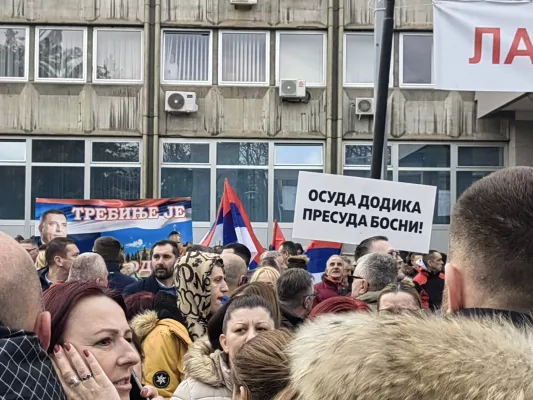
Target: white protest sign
column 346, row 209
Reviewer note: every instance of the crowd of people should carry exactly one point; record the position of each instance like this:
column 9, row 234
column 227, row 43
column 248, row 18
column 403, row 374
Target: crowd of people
column 204, row 326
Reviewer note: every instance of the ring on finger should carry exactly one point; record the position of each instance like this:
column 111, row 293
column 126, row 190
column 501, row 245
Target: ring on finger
column 74, row 381
column 86, row 377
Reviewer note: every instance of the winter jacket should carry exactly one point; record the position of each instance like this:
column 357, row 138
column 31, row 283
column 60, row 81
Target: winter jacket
column 117, row 280
column 207, row 374
column 144, row 285
column 409, row 357
column 40, row 261
column 432, row 285
column 327, row 289
column 45, row 283
column 289, row 320
column 371, row 299
column 164, row 344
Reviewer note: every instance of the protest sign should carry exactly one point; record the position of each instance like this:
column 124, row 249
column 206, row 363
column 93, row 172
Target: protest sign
column 136, row 224
column 346, row 209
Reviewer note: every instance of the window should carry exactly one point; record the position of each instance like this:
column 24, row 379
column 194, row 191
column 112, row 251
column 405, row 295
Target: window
column 476, row 162
column 118, row 55
column 13, row 178
column 416, row 59
column 359, row 60
column 301, row 55
column 244, row 58
column 199, row 169
column 358, row 160
column 187, row 57
column 14, row 59
column 61, row 54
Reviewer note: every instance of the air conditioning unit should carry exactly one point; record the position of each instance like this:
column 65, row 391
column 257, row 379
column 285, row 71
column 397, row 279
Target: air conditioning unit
column 292, row 88
column 364, row 106
column 243, row 2
column 180, row 102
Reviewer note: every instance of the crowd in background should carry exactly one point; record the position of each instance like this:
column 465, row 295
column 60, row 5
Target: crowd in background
column 203, row 325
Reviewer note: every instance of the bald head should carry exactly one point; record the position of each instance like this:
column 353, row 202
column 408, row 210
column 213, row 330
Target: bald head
column 89, row 267
column 235, row 268
column 20, row 290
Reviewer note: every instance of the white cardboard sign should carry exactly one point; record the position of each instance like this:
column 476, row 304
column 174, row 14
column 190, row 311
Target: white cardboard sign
column 346, row 209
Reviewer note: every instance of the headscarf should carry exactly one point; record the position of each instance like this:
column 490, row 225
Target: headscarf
column 192, row 280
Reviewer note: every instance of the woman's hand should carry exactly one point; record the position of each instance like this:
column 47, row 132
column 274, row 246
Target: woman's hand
column 150, row 392
column 82, row 380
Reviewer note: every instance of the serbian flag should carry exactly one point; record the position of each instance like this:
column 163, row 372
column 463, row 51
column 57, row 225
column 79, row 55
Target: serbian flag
column 278, row 237
column 319, row 252
column 233, row 226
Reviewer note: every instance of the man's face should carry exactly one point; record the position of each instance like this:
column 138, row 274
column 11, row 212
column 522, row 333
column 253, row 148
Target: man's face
column 335, row 268
column 55, row 225
column 435, row 263
column 163, row 261
column 71, row 253
column 284, row 253
column 32, row 250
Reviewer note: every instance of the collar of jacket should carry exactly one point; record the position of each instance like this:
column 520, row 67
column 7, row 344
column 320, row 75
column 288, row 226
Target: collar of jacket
column 113, row 268
column 516, row 318
column 369, row 297
column 331, row 282
column 289, row 317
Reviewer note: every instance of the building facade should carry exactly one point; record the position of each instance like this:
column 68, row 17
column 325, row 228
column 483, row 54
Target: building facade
column 84, row 87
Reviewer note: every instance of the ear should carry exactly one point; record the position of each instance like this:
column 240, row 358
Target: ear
column 58, row 261
column 242, row 280
column 364, row 287
column 223, row 343
column 43, row 329
column 454, row 286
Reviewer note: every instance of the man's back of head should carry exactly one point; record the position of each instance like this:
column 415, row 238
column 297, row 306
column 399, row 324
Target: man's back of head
column 377, row 269
column 374, row 244
column 109, row 248
column 293, row 286
column 235, row 269
column 89, row 267
column 240, row 249
column 491, row 256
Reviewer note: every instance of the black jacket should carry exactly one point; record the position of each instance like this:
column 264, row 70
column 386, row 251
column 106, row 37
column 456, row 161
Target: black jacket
column 516, row 318
column 289, row 320
column 117, row 280
column 42, row 277
column 143, row 285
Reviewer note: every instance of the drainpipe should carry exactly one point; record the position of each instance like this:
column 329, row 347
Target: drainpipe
column 149, row 89
column 146, row 107
column 332, row 87
column 156, row 87
column 340, row 87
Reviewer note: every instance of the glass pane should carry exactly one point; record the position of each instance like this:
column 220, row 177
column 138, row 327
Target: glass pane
column 423, row 155
column 115, row 151
column 189, row 182
column 12, row 150
column 61, row 54
column 242, row 153
column 467, row 178
column 56, row 183
column 13, row 190
column 58, row 151
column 360, row 58
column 481, row 156
column 12, row 52
column 364, row 173
column 186, row 153
column 115, row 183
column 251, row 185
column 439, row 179
column 118, row 55
column 285, row 187
column 301, row 56
column 244, row 57
column 362, row 155
column 299, row 154
column 186, row 56
column 417, row 59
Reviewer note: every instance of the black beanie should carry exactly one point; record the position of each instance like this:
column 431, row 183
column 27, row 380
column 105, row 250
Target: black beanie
column 108, row 247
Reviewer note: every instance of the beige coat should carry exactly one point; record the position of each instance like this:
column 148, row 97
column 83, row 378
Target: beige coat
column 207, row 374
column 366, row 356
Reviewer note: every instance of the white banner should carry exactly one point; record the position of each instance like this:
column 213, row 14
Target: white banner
column 346, row 209
column 483, row 45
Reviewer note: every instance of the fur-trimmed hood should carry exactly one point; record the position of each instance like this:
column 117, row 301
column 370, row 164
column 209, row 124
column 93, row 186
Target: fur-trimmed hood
column 207, row 366
column 144, row 323
column 368, row 356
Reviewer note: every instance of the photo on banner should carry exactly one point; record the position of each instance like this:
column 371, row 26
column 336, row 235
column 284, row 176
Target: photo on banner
column 136, row 224
column 347, row 209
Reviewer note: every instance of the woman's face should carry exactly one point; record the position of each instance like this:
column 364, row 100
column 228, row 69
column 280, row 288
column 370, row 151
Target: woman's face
column 99, row 325
column 219, row 288
column 243, row 325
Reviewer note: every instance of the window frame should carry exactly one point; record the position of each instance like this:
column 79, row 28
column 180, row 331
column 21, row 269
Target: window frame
column 221, row 82
column 209, row 81
column 402, row 84
column 95, row 56
column 37, row 59
column 324, row 56
column 27, row 52
column 345, row 82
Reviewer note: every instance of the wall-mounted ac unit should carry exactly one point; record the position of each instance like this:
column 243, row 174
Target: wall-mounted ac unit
column 180, row 102
column 364, row 106
column 243, row 2
column 292, row 88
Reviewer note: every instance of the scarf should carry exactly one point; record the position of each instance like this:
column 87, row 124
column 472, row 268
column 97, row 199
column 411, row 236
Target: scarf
column 192, row 280
column 26, row 370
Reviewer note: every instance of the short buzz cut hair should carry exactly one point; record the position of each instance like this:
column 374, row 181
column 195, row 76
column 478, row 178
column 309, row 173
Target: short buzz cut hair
column 57, row 247
column 378, row 269
column 490, row 236
column 365, row 246
column 174, row 245
column 87, row 267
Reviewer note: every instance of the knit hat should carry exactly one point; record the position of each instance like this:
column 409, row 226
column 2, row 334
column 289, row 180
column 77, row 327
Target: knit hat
column 108, row 247
column 298, row 262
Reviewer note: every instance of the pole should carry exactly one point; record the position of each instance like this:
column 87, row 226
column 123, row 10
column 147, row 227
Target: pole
column 382, row 93
column 379, row 16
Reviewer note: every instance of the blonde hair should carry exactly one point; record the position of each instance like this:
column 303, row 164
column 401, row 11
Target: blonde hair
column 271, row 274
column 262, row 366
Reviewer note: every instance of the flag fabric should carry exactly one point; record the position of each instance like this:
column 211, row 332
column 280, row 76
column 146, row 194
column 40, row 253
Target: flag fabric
column 233, row 226
column 278, row 237
column 319, row 252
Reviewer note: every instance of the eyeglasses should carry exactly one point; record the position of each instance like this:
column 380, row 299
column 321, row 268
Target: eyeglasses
column 393, row 253
column 357, row 277
column 314, row 295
